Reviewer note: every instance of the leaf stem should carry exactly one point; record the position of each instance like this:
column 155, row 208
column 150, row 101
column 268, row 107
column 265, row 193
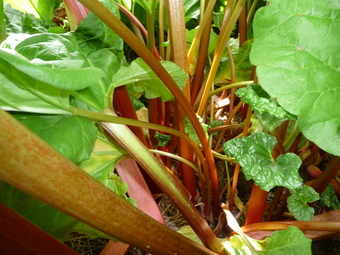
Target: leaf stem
column 231, row 86
column 330, row 226
column 178, row 158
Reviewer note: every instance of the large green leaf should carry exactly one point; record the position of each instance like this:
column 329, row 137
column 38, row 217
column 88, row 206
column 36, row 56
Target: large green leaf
column 92, row 28
column 97, row 94
column 296, row 51
column 71, row 78
column 254, row 154
column 142, row 78
column 65, row 52
column 25, row 95
column 73, row 137
column 298, row 201
column 291, row 241
column 51, row 47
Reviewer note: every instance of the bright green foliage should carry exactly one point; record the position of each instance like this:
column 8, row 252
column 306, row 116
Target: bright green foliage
column 163, row 139
column 18, row 22
column 190, row 35
column 65, row 53
column 101, row 164
column 291, row 241
column 62, row 78
column 190, row 131
column 94, row 30
column 266, row 109
column 254, row 154
column 191, row 9
column 241, row 61
column 143, row 79
column 46, row 9
column 73, row 137
column 60, row 225
column 298, row 201
column 296, row 51
column 329, row 198
column 51, row 47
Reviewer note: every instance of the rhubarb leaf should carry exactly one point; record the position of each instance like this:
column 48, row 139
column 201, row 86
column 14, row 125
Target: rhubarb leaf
column 19, row 22
column 298, row 201
column 93, row 29
column 298, row 70
column 71, row 78
column 254, row 154
column 261, row 103
column 139, row 75
column 329, row 198
column 291, row 241
column 73, row 137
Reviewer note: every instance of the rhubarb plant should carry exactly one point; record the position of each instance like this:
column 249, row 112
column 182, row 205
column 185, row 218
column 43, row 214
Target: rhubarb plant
column 192, row 99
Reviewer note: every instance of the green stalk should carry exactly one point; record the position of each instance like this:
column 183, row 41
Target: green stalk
column 178, row 158
column 150, row 25
column 31, row 165
column 231, row 86
column 117, row 26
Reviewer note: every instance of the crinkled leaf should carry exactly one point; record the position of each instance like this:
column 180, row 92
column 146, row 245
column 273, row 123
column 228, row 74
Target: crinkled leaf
column 73, row 137
column 298, row 202
column 298, row 69
column 261, row 103
column 92, row 28
column 74, row 78
column 268, row 113
column 291, row 241
column 329, row 198
column 19, row 22
column 139, row 75
column 254, row 154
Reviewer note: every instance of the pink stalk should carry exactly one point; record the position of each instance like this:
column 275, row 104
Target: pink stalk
column 76, row 12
